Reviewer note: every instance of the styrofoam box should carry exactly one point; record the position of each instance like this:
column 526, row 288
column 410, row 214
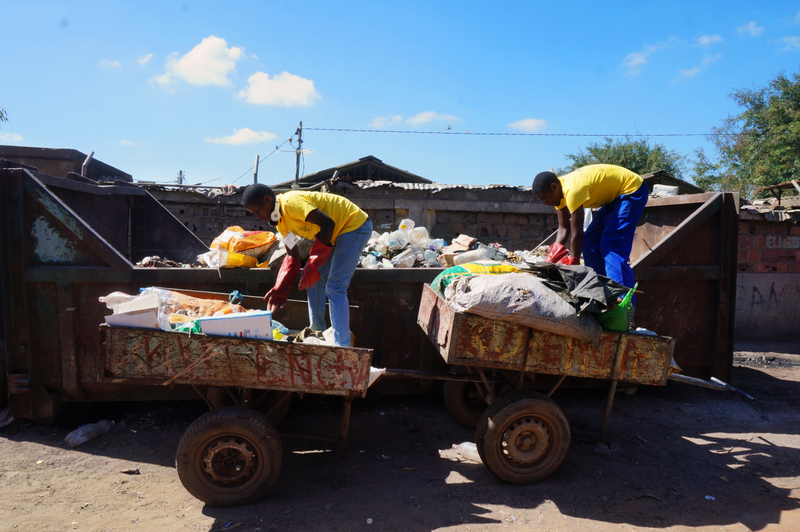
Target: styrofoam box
column 145, row 318
column 257, row 324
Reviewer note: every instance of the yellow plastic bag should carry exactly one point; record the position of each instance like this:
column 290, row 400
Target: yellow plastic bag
column 236, row 240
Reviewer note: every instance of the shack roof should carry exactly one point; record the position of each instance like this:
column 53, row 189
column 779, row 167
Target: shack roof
column 662, row 177
column 366, row 168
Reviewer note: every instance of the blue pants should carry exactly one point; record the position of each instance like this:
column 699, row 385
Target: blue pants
column 608, row 240
column 334, row 280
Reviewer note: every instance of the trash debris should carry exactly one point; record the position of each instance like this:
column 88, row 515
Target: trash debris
column 5, row 417
column 469, row 451
column 369, row 520
column 710, row 498
column 87, row 432
column 131, row 471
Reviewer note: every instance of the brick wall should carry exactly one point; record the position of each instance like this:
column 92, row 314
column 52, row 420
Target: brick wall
column 769, row 247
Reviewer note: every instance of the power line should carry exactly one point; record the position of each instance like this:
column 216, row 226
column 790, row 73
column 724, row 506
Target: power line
column 490, row 134
column 277, row 149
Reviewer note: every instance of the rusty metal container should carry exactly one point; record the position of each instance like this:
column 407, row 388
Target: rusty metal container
column 469, row 340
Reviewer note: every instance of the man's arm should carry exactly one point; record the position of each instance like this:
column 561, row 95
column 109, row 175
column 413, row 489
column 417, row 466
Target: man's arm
column 563, row 226
column 576, row 231
column 325, row 223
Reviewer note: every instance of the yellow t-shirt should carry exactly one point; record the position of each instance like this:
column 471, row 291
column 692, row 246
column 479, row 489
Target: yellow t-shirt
column 296, row 204
column 596, row 185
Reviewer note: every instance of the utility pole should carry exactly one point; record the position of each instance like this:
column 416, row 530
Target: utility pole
column 298, row 151
column 180, row 177
column 255, row 172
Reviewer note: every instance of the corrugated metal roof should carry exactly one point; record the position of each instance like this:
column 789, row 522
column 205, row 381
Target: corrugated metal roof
column 433, row 187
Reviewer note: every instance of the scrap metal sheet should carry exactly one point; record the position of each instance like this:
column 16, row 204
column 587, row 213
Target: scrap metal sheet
column 169, row 357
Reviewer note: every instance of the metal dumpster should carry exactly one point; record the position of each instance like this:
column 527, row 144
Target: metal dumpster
column 64, row 243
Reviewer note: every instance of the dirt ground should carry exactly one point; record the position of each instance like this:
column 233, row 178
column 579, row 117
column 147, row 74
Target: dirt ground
column 678, row 457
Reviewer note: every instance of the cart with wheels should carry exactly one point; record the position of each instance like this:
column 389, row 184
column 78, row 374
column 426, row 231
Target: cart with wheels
column 523, row 436
column 232, row 454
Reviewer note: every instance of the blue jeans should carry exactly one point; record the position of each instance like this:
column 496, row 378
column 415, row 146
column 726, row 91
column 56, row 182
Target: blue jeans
column 608, row 240
column 334, row 280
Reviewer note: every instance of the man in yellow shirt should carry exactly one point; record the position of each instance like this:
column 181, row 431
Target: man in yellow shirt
column 340, row 230
column 620, row 197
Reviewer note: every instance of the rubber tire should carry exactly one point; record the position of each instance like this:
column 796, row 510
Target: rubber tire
column 522, row 407
column 463, row 400
column 220, row 425
column 220, row 398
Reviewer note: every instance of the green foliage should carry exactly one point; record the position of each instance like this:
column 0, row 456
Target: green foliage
column 634, row 154
column 3, row 115
column 761, row 145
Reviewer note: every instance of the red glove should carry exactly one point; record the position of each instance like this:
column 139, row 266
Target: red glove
column 557, row 252
column 317, row 257
column 570, row 261
column 277, row 297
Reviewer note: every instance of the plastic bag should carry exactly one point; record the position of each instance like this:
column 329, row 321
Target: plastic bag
column 237, row 240
column 219, row 258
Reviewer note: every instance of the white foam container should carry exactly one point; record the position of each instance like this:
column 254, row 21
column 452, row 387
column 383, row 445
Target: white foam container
column 140, row 312
column 256, row 324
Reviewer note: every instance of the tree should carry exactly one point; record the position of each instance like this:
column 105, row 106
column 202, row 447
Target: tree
column 3, row 115
column 634, row 154
column 761, row 145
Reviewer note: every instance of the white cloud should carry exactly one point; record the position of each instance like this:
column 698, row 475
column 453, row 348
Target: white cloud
column 107, row 63
column 752, row 29
column 635, row 61
column 710, row 59
column 688, row 73
column 708, row 40
column 528, row 125
column 145, row 59
column 283, row 90
column 242, row 136
column 128, row 143
column 430, row 116
column 208, row 63
column 382, row 121
column 789, row 43
column 11, row 137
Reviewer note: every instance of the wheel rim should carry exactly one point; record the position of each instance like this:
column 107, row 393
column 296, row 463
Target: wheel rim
column 230, row 461
column 525, row 440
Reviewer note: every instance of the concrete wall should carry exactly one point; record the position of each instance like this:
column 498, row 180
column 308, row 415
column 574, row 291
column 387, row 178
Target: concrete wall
column 767, row 306
column 768, row 281
column 507, row 215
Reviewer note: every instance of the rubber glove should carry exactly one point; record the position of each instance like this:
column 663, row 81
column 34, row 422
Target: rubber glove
column 317, row 257
column 570, row 261
column 557, row 252
column 277, row 297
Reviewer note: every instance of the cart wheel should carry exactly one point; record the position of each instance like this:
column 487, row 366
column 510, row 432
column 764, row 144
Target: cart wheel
column 523, row 437
column 219, row 397
column 463, row 400
column 229, row 456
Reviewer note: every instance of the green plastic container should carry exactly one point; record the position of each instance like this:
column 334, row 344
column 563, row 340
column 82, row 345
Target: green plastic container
column 620, row 318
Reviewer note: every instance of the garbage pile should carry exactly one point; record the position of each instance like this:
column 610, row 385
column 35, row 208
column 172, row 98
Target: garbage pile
column 411, row 246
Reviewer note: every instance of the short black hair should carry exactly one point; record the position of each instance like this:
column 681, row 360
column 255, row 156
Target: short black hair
column 256, row 192
column 542, row 181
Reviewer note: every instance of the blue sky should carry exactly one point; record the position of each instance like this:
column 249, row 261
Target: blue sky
column 203, row 87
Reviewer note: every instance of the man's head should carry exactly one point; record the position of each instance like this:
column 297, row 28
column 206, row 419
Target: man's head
column 547, row 188
column 260, row 201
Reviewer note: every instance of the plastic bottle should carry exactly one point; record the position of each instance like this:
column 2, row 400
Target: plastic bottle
column 436, row 244
column 419, row 235
column 469, row 451
column 87, row 432
column 386, row 263
column 405, row 259
column 471, row 256
column 369, row 262
column 431, row 257
column 397, row 240
column 406, row 224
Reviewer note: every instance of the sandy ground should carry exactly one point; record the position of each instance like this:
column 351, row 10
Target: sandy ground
column 677, row 458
